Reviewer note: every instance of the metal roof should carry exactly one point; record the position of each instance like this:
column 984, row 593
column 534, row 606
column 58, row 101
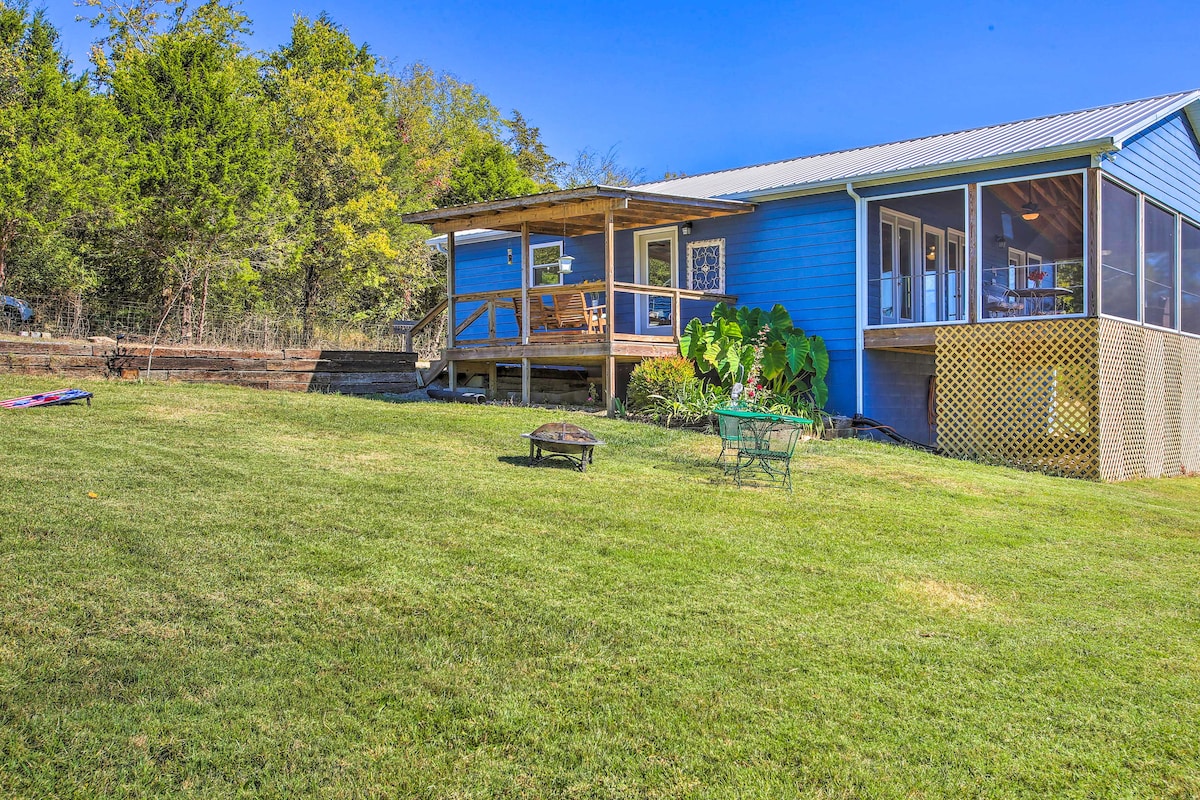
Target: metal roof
column 1092, row 130
column 575, row 212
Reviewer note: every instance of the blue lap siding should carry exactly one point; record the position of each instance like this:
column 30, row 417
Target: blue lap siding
column 1164, row 162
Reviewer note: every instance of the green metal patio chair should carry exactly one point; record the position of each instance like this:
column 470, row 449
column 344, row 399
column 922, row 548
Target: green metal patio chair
column 728, row 427
column 764, row 450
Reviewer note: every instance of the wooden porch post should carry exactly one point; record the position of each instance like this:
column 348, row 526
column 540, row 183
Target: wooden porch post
column 524, row 381
column 610, row 384
column 525, row 267
column 451, row 316
column 493, row 379
column 610, row 271
column 1091, row 210
column 972, row 252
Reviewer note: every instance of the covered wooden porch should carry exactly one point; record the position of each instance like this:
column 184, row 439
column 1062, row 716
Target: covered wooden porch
column 579, row 325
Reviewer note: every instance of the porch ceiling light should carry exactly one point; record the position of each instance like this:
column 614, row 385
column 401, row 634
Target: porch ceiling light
column 1030, row 211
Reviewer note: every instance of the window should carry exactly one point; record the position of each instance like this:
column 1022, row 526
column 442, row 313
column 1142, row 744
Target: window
column 1189, row 310
column 544, row 258
column 897, row 241
column 1119, row 251
column 1158, row 260
column 956, row 263
column 706, row 266
column 933, row 277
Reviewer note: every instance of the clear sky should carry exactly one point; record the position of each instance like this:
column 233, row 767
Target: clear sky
column 699, row 86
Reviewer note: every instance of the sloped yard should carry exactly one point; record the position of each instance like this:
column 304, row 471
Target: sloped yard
column 280, row 595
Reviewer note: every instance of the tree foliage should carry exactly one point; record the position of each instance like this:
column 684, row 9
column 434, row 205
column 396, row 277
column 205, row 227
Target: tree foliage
column 183, row 168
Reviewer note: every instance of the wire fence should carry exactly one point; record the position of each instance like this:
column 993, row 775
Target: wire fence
column 223, row 327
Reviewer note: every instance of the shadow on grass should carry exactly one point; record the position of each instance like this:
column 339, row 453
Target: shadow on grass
column 523, row 461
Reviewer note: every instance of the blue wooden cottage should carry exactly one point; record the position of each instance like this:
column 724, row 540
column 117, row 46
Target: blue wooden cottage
column 1025, row 293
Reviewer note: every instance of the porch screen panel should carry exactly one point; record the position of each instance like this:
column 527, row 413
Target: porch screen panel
column 1189, row 311
column 1158, row 259
column 1119, row 250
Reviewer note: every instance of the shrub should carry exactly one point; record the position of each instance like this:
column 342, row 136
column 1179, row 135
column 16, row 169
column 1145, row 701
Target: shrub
column 691, row 404
column 659, row 377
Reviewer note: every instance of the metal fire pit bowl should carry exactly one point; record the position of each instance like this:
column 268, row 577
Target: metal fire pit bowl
column 561, row 440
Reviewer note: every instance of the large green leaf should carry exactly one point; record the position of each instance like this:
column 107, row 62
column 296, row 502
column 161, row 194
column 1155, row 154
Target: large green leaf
column 820, row 391
column 779, row 319
column 729, row 362
column 819, row 357
column 728, row 330
column 723, row 312
column 774, row 359
column 691, row 344
column 797, row 350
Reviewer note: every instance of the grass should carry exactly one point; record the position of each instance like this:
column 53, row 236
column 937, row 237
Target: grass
column 280, row 595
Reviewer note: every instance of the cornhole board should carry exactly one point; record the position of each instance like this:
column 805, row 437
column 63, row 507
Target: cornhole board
column 48, row 399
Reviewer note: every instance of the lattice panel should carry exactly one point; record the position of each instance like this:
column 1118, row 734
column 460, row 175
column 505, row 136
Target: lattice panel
column 1189, row 405
column 1149, row 402
column 1021, row 393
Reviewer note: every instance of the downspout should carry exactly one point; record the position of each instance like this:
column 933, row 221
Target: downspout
column 860, row 291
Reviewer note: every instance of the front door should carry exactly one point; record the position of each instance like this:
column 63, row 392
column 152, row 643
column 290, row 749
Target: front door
column 656, row 263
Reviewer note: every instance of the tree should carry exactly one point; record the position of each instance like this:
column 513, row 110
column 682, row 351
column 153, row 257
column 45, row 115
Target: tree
column 199, row 149
column 330, row 106
column 46, row 176
column 591, row 168
column 526, row 144
column 438, row 119
column 486, row 171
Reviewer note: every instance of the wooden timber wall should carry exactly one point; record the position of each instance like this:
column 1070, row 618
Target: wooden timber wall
column 1084, row 398
column 342, row 371
column 1023, row 394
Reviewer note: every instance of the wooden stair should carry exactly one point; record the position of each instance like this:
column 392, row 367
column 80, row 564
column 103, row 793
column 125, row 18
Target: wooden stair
column 435, row 369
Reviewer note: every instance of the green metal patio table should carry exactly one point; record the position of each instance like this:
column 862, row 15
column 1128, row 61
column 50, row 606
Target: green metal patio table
column 763, row 443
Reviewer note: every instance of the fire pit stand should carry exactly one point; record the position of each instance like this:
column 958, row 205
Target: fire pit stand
column 561, row 440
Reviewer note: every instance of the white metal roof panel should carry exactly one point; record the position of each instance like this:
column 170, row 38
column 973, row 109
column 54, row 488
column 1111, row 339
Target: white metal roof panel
column 1106, row 126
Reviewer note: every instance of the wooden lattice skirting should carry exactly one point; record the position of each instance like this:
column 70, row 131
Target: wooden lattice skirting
column 1084, row 398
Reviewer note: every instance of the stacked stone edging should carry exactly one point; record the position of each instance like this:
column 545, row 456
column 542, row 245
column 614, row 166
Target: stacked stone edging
column 293, row 369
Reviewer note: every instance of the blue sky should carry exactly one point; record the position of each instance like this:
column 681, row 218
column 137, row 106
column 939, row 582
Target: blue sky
column 700, row 86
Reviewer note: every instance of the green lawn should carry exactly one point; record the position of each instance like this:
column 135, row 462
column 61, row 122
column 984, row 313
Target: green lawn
column 280, row 595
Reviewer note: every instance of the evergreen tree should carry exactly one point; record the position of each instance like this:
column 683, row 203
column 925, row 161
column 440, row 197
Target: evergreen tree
column 199, row 152
column 486, row 171
column 526, row 143
column 47, row 170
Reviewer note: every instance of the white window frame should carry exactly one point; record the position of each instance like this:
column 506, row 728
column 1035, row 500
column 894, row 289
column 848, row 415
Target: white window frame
column 979, row 300
column 899, row 219
column 865, row 281
column 561, row 245
column 958, row 240
column 641, row 239
column 1180, row 219
column 705, row 243
column 1142, row 262
column 939, row 270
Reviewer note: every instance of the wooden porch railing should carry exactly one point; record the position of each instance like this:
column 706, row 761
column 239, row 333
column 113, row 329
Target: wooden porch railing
column 510, row 298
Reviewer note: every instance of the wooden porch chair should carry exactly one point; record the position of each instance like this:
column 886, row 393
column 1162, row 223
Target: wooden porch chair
column 572, row 311
column 540, row 317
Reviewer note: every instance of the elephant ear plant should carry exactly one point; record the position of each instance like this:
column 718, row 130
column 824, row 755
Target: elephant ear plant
column 742, row 342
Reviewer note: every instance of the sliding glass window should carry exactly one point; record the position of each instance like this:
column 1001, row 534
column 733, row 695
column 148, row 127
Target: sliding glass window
column 1189, row 311
column 1119, row 251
